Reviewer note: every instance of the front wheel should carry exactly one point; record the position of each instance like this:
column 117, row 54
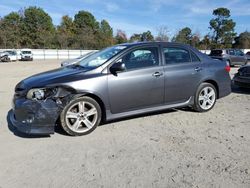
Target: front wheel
column 81, row 116
column 205, row 97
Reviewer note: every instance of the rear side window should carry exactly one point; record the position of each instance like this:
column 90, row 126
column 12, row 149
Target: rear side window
column 194, row 57
column 176, row 55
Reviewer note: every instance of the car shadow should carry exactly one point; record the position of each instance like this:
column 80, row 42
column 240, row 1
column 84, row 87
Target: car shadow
column 59, row 130
column 14, row 130
column 139, row 116
column 240, row 90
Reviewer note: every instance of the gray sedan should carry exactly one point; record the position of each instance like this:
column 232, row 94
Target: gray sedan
column 117, row 82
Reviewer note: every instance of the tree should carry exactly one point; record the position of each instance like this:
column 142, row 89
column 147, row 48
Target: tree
column 136, row 38
column 243, row 40
column 223, row 28
column 85, row 20
column 121, row 37
column 205, row 43
column 162, row 34
column 86, row 30
column 10, row 30
column 183, row 36
column 147, row 36
column 106, row 34
column 65, row 33
column 37, row 29
column 195, row 40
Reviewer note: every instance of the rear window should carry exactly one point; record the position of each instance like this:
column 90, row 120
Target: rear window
column 216, row 52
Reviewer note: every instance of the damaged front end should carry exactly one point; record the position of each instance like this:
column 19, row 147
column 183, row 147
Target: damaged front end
column 35, row 111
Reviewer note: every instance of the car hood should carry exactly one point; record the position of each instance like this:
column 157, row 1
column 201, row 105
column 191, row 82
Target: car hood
column 52, row 77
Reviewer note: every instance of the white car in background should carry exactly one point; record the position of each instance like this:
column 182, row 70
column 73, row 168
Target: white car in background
column 8, row 55
column 26, row 55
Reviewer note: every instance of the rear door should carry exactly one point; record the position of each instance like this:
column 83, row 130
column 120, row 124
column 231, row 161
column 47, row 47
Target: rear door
column 183, row 71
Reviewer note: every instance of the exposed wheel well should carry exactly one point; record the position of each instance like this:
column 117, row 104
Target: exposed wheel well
column 214, row 83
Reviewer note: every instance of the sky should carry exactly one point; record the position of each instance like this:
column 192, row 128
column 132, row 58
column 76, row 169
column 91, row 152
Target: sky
column 136, row 16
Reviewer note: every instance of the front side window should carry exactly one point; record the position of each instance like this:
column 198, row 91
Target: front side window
column 141, row 58
column 174, row 55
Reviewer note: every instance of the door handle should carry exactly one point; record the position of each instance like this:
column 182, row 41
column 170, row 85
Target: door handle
column 198, row 69
column 157, row 74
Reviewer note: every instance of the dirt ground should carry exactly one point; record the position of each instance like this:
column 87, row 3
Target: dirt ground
column 175, row 148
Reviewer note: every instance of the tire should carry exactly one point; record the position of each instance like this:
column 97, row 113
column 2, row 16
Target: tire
column 76, row 121
column 205, row 101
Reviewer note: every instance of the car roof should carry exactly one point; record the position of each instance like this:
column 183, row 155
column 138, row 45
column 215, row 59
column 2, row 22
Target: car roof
column 150, row 43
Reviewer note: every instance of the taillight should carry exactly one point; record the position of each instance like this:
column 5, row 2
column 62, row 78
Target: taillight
column 227, row 68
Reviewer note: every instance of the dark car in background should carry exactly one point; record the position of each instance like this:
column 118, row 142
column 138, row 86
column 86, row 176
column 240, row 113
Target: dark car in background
column 232, row 56
column 248, row 56
column 116, row 82
column 242, row 77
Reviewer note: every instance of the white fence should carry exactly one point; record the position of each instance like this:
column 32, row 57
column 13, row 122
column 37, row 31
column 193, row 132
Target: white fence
column 44, row 54
column 208, row 51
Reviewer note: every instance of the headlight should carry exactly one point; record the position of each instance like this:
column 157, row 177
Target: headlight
column 41, row 93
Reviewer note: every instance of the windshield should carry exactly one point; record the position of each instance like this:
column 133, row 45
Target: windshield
column 98, row 58
column 26, row 52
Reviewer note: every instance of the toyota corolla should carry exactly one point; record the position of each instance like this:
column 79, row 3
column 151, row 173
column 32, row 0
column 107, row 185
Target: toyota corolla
column 116, row 82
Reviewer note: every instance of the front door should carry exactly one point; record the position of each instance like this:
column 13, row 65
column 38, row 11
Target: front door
column 141, row 85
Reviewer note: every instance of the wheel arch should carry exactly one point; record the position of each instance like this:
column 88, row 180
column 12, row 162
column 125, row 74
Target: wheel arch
column 215, row 84
column 98, row 100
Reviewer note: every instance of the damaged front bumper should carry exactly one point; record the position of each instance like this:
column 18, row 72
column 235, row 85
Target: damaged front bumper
column 34, row 117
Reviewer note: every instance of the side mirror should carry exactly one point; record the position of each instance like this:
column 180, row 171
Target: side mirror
column 117, row 67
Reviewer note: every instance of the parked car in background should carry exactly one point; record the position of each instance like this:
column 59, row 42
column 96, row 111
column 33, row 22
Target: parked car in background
column 26, row 55
column 232, row 56
column 116, row 82
column 8, row 55
column 76, row 60
column 248, row 56
column 242, row 77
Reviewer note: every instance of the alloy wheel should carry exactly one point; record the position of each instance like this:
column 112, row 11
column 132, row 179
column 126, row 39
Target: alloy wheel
column 207, row 98
column 81, row 116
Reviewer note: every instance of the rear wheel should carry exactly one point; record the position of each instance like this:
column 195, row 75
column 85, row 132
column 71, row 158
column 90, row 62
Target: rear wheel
column 205, row 97
column 81, row 116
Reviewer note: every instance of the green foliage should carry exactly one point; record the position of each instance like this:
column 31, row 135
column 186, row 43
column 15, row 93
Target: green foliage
column 145, row 36
column 183, row 36
column 121, row 37
column 10, row 30
column 33, row 28
column 243, row 40
column 105, row 34
column 223, row 28
column 37, row 29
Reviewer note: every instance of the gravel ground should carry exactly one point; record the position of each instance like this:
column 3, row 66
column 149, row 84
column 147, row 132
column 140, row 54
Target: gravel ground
column 175, row 148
